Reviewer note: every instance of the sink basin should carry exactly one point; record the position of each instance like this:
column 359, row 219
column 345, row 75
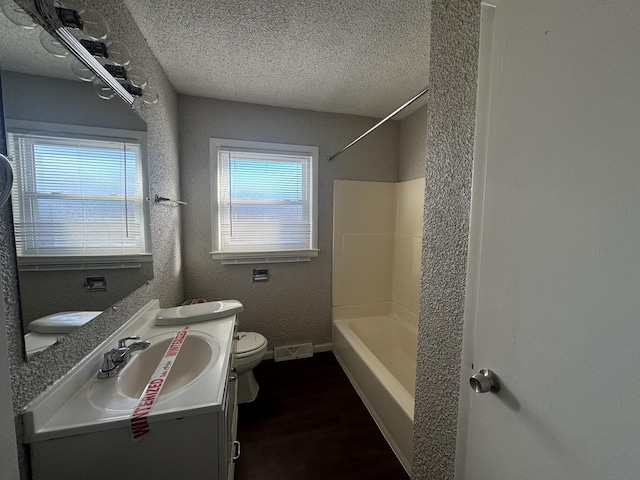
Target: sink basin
column 196, row 354
column 81, row 403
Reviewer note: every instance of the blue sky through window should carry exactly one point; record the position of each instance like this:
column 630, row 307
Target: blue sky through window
column 264, row 180
column 76, row 171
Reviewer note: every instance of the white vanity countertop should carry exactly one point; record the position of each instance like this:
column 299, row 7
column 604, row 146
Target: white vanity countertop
column 81, row 403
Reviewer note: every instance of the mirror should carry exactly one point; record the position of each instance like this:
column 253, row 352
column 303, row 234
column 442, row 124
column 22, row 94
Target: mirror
column 49, row 111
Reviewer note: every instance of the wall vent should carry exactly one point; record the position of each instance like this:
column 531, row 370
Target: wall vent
column 292, row 352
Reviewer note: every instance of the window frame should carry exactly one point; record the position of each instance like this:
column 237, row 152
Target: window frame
column 88, row 262
column 262, row 256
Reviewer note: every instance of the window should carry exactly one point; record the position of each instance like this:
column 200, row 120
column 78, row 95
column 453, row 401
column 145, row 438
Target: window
column 265, row 201
column 78, row 192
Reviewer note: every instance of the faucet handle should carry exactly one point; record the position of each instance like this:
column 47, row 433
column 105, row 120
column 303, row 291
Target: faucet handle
column 122, row 343
column 108, row 368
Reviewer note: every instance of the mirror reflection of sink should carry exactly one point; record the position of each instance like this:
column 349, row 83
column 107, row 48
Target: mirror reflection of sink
column 196, row 354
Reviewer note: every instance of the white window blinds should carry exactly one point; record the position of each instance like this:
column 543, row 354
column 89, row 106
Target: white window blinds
column 76, row 196
column 265, row 201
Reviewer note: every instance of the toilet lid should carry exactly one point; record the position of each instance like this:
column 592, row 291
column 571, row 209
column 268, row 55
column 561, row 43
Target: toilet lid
column 249, row 342
column 62, row 322
column 198, row 312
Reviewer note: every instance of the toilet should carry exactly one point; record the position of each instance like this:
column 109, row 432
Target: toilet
column 251, row 350
column 47, row 330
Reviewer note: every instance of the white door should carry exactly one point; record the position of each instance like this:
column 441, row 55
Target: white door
column 554, row 279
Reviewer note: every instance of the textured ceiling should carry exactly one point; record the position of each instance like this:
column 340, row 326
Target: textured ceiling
column 361, row 57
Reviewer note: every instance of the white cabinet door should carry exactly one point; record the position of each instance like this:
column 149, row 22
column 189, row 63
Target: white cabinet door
column 554, row 287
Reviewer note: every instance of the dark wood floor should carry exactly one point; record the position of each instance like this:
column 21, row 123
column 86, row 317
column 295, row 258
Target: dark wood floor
column 308, row 423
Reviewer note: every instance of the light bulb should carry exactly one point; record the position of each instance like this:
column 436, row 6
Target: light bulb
column 149, row 96
column 94, row 24
column 137, row 77
column 119, row 53
column 17, row 15
column 82, row 71
column 52, row 45
column 103, row 90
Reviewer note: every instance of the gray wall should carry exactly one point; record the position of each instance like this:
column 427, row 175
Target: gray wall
column 53, row 100
column 46, row 292
column 412, row 145
column 450, row 136
column 30, row 379
column 295, row 305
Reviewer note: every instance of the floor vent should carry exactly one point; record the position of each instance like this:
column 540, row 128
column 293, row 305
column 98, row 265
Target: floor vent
column 292, row 352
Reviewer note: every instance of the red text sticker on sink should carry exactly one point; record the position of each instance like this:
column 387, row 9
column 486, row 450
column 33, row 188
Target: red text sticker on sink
column 139, row 418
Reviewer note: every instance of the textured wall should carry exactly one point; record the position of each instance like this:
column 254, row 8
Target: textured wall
column 450, row 134
column 53, row 100
column 30, row 379
column 412, row 145
column 295, row 305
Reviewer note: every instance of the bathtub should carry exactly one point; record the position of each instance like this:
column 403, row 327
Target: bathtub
column 378, row 354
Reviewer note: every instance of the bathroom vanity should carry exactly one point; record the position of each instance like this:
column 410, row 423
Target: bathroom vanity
column 81, row 426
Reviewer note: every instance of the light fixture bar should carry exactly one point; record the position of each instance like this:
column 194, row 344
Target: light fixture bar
column 92, row 64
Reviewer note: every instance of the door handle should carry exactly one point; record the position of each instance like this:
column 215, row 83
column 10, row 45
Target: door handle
column 485, row 381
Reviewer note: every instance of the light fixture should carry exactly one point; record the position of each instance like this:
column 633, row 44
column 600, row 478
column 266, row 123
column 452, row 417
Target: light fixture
column 94, row 47
column 117, row 72
column 119, row 53
column 92, row 63
column 103, row 90
column 53, row 45
column 82, row 71
column 84, row 33
column 149, row 96
column 94, row 24
column 137, row 77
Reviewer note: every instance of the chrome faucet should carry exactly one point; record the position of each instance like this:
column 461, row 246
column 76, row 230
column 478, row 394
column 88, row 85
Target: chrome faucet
column 116, row 358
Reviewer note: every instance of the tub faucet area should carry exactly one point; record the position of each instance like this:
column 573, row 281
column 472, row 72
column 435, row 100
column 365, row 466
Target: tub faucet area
column 116, row 359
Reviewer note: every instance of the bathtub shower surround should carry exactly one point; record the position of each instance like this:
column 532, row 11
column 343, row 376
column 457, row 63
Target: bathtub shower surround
column 376, row 272
column 376, row 245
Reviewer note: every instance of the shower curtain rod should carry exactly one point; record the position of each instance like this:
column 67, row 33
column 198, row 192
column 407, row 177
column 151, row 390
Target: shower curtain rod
column 395, row 112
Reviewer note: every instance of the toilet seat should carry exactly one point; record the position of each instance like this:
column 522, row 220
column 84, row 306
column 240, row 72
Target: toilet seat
column 250, row 343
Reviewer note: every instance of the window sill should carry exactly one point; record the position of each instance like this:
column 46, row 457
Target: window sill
column 243, row 258
column 104, row 262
